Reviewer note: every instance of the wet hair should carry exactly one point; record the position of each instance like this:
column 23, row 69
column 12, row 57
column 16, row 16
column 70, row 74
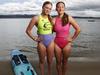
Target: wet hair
column 65, row 19
column 49, row 17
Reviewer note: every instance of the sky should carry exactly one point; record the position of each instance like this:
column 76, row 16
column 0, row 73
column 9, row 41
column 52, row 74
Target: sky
column 73, row 7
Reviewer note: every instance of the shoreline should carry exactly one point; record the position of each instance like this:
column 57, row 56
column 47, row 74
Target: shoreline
column 31, row 15
column 5, row 55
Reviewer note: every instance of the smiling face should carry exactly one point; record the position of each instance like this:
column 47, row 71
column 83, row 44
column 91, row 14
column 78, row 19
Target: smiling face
column 46, row 9
column 60, row 7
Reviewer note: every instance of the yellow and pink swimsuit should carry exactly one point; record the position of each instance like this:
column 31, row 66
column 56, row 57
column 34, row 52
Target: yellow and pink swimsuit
column 62, row 32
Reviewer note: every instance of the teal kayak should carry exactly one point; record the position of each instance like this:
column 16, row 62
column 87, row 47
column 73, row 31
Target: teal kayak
column 20, row 64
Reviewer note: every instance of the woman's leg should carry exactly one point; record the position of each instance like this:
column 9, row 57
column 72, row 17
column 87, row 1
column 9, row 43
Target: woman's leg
column 50, row 54
column 66, row 53
column 58, row 55
column 42, row 54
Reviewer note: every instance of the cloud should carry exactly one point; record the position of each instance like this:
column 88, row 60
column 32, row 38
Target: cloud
column 86, row 4
column 85, row 13
column 84, row 8
column 19, row 7
column 74, row 7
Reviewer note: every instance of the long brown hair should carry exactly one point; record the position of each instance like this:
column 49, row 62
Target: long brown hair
column 65, row 19
column 49, row 17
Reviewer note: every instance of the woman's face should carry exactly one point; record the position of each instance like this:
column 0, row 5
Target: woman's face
column 60, row 8
column 47, row 9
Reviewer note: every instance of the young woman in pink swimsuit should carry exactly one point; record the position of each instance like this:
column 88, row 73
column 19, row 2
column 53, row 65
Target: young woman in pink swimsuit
column 63, row 39
column 45, row 41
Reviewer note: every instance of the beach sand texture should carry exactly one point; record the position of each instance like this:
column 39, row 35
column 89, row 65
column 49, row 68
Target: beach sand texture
column 76, row 65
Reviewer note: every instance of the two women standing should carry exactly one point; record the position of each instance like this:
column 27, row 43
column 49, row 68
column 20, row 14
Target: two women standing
column 47, row 45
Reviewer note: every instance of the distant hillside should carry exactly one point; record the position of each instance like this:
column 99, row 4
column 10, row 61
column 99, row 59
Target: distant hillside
column 30, row 16
column 16, row 16
column 86, row 17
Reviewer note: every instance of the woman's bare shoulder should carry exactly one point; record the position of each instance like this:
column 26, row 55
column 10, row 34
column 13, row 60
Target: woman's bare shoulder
column 71, row 19
column 35, row 18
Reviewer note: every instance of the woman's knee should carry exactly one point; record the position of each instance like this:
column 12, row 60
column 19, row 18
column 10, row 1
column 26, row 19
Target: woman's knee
column 42, row 61
column 50, row 58
column 65, row 60
column 58, row 61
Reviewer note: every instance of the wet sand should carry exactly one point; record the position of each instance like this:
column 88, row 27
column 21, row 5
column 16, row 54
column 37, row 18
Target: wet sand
column 74, row 67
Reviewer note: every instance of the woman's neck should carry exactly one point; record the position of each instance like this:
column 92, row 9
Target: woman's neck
column 60, row 15
column 45, row 16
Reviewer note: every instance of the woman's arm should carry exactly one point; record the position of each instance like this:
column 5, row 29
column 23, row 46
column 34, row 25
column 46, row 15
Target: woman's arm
column 29, row 28
column 75, row 26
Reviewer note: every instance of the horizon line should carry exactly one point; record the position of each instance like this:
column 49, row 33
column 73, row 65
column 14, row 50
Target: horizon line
column 30, row 15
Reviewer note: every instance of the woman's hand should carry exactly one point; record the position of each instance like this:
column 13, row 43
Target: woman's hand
column 36, row 38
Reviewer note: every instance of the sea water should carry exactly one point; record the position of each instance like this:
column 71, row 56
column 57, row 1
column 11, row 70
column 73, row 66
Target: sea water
column 12, row 35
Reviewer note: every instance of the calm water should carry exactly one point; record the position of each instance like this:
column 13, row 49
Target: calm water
column 12, row 35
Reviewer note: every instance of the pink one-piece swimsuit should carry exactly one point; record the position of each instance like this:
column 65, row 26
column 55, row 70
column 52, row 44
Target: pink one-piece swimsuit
column 62, row 32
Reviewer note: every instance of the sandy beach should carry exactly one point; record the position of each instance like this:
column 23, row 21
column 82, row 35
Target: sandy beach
column 76, row 65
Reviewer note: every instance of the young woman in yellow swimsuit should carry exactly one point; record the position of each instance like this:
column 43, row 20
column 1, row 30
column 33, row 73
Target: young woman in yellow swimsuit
column 45, row 41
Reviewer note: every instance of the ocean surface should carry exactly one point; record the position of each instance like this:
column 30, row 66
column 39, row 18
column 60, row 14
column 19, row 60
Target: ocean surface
column 13, row 36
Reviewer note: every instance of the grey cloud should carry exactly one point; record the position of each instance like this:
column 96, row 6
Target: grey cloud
column 85, row 6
